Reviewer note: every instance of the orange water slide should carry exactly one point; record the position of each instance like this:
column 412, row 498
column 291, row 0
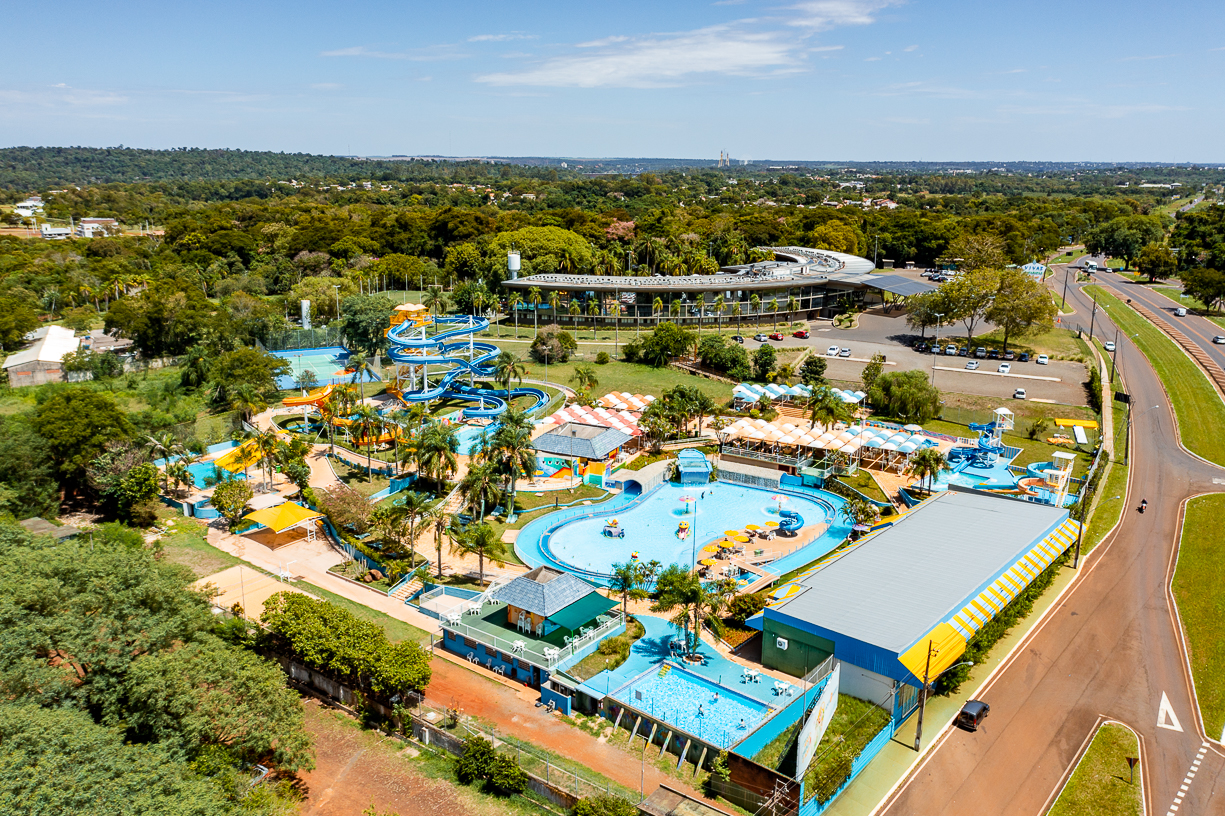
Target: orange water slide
column 315, row 398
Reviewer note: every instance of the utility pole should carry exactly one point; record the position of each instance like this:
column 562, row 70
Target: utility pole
column 918, row 734
column 939, row 317
column 1092, row 318
column 1114, row 356
column 1066, row 270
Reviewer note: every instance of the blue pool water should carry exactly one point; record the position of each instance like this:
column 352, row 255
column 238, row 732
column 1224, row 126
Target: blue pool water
column 470, row 437
column 200, row 471
column 651, row 524
column 674, row 696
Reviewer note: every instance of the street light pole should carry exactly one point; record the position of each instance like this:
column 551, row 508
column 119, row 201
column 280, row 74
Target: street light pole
column 938, row 318
column 1066, row 270
column 1114, row 356
column 1092, row 318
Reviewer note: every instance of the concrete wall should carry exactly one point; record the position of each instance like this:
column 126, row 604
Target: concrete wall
column 494, row 659
column 804, row 651
column 35, row 373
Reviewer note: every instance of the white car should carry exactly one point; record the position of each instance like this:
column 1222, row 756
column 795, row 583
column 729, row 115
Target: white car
column 846, row 352
column 972, row 365
column 1019, row 394
column 951, row 351
column 832, row 351
column 1108, row 345
column 1180, row 312
column 1219, row 339
column 1042, row 359
column 1005, row 368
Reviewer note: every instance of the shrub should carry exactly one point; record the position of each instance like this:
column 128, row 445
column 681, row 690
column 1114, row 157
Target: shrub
column 481, row 763
column 602, row 358
column 553, row 344
column 906, row 395
column 1094, row 387
column 603, row 805
column 743, row 607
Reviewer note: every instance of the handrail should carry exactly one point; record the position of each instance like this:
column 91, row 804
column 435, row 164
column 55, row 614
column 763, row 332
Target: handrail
column 563, row 652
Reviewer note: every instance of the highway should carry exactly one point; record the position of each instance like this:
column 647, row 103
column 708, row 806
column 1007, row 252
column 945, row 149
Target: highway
column 1199, row 329
column 1110, row 648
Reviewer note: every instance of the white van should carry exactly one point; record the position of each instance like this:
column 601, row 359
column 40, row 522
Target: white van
column 1180, row 312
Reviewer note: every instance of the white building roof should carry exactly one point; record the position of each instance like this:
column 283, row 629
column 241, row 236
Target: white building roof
column 51, row 348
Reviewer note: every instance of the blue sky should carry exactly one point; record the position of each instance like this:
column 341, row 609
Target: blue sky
column 801, row 79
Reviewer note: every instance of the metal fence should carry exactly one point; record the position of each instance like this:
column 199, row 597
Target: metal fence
column 325, row 337
column 208, row 430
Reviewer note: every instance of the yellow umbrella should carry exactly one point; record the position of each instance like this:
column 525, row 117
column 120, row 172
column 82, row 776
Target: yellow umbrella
column 731, row 532
column 743, row 539
column 707, row 562
column 751, row 527
column 709, row 549
column 771, row 523
column 726, row 545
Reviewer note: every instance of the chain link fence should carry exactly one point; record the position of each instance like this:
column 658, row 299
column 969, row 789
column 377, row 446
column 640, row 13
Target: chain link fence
column 292, row 339
column 207, row 430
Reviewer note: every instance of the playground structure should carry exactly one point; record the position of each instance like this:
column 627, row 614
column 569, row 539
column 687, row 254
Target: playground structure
column 790, row 522
column 318, row 398
column 454, row 352
column 613, row 529
column 990, row 446
column 1054, row 477
column 682, row 530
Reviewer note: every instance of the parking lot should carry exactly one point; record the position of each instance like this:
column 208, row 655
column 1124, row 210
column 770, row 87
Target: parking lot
column 1062, row 380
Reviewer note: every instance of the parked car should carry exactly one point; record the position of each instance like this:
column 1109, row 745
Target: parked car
column 1010, row 355
column 1108, row 345
column 1024, row 358
column 972, row 715
column 759, row 337
column 972, row 365
column 738, row 338
column 800, row 333
column 1042, row 359
column 1005, row 368
column 846, row 352
column 993, row 354
column 980, row 352
column 950, row 351
column 1019, row 394
column 832, row 351
column 776, row 336
column 922, row 347
column 964, row 351
column 1219, row 339
column 1180, row 312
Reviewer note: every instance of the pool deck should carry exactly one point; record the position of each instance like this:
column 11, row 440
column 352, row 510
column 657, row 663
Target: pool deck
column 652, row 649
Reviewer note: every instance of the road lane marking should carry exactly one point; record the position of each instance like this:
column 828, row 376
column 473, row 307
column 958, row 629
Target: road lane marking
column 1166, row 718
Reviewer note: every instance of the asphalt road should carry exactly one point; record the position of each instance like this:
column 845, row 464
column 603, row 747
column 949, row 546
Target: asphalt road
column 889, row 335
column 1200, row 329
column 1111, row 648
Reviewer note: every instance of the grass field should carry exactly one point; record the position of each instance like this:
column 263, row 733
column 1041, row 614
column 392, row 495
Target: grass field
column 1200, row 411
column 1100, row 785
column 1111, row 492
column 594, row 663
column 1201, row 604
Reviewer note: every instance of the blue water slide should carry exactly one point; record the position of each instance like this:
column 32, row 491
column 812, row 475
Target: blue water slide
column 982, row 426
column 441, row 350
column 790, row 521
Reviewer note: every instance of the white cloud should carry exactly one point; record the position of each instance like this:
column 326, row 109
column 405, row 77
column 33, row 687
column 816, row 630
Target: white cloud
column 514, row 35
column 603, row 42
column 820, row 15
column 911, row 48
column 363, row 51
column 1148, row 57
column 660, row 61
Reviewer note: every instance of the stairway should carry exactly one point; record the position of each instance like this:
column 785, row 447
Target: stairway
column 793, row 411
column 407, row 590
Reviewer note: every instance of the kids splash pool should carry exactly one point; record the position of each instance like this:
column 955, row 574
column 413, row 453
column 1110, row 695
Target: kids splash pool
column 714, row 714
column 672, row 523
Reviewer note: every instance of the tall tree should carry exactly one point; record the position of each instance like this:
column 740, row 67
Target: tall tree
column 1022, row 305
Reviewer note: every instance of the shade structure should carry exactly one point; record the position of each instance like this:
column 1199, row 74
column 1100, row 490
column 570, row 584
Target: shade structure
column 731, row 532
column 787, row 440
column 707, row 562
column 914, row 428
column 239, row 458
column 889, row 446
column 874, row 442
column 743, row 539
column 726, row 545
column 771, row 523
column 787, row 426
column 752, row 527
column 283, row 516
column 710, row 549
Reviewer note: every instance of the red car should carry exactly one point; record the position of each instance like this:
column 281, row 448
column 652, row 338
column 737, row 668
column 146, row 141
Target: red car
column 802, row 334
column 776, row 336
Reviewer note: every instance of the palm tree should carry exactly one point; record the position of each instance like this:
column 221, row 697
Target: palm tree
column 512, row 303
column 412, row 508
column 657, row 307
column 827, row 408
column 793, row 305
column 755, row 306
column 436, row 452
column 736, row 314
column 674, row 309
column 516, row 457
column 163, row 445
column 481, row 540
column 575, row 310
column 369, row 423
column 585, row 378
column 435, row 299
column 178, row 473
column 554, row 302
column 927, row 464
column 533, row 297
column 506, row 367
column 480, row 487
column 331, row 408
column 360, row 365
column 625, row 582
column 593, row 310
column 701, row 304
column 860, row 511
column 245, row 399
column 265, row 445
column 720, row 306
column 774, row 317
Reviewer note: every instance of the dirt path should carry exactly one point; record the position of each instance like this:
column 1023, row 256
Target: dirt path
column 491, row 702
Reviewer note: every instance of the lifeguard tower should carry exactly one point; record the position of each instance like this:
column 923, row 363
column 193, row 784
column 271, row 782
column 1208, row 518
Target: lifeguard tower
column 1059, row 477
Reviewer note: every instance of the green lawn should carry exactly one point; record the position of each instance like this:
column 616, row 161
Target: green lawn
column 1059, row 344
column 527, row 500
column 1111, row 491
column 594, row 663
column 1101, row 784
column 1200, row 411
column 1201, row 604
column 865, row 484
column 355, row 478
column 854, row 724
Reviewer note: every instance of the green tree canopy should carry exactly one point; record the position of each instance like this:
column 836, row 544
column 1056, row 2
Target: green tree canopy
column 905, row 395
column 365, row 319
column 77, row 423
column 1022, row 305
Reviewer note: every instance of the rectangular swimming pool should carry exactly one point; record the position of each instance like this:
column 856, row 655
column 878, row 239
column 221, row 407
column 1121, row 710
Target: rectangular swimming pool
column 712, row 713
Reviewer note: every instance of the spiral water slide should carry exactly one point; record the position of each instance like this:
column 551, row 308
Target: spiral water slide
column 444, row 349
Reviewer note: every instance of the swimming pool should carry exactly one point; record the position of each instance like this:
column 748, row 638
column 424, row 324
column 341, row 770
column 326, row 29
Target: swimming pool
column 710, row 712
column 574, row 539
column 203, row 472
column 470, row 437
column 328, row 364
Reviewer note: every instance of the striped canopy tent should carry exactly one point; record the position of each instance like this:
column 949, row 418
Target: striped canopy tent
column 802, row 391
column 775, row 390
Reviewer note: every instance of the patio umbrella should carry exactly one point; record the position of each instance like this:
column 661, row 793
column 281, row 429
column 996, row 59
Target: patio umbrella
column 710, row 549
column 771, row 523
column 707, row 562
column 751, row 527
column 912, row 427
column 726, row 545
column 743, row 539
column 861, row 528
column 780, row 498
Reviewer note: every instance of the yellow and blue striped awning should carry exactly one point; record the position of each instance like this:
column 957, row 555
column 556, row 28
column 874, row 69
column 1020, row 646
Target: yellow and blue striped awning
column 991, row 601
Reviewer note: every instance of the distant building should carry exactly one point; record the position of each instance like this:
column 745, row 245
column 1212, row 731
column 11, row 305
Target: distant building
column 30, row 207
column 97, row 340
column 42, row 527
column 93, row 227
column 42, row 362
column 55, row 233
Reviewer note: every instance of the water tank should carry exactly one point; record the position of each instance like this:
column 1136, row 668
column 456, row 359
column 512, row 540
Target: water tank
column 306, row 314
column 512, row 264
